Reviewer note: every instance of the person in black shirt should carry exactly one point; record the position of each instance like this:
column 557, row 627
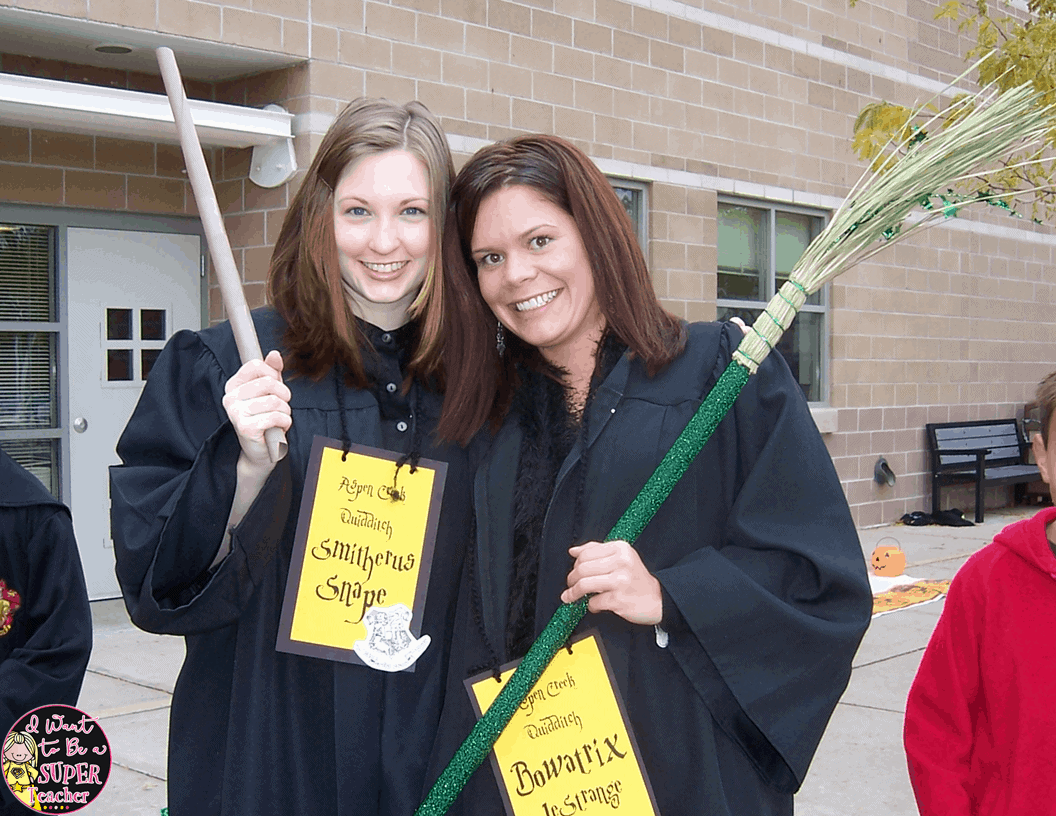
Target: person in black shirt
column 45, row 620
column 731, row 622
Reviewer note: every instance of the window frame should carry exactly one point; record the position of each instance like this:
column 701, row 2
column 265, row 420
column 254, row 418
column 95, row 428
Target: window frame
column 823, row 308
column 53, row 327
column 641, row 187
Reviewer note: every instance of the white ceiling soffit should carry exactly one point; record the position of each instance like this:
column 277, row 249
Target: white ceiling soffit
column 98, row 111
column 73, row 40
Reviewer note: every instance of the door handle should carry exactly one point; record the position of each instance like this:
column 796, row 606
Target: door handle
column 80, row 424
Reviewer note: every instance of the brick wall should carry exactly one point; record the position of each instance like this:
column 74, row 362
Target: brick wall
column 67, row 169
column 954, row 325
column 73, row 170
column 697, row 99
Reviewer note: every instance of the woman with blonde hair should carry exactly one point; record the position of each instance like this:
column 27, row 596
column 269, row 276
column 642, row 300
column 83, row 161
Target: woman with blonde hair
column 731, row 622
column 204, row 522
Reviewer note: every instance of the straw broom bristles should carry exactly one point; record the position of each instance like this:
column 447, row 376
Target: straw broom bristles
column 986, row 126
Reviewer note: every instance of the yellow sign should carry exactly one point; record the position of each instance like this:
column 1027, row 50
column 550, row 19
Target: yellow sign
column 569, row 748
column 360, row 568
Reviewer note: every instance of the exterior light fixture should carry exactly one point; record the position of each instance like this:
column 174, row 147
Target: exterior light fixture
column 112, row 48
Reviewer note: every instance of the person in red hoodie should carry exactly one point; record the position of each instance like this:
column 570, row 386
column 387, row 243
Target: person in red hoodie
column 980, row 730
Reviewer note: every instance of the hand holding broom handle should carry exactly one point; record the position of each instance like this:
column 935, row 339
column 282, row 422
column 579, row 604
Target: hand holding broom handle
column 482, row 737
column 216, row 236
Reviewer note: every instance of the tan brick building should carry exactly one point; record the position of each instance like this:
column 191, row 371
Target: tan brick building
column 727, row 128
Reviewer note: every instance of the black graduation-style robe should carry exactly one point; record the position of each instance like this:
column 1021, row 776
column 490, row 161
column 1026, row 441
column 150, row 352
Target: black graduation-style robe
column 44, row 653
column 765, row 590
column 254, row 730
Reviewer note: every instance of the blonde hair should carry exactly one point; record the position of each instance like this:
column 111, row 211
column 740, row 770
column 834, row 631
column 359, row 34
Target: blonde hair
column 22, row 738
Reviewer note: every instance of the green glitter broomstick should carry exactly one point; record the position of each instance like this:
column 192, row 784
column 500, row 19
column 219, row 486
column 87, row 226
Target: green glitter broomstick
column 917, row 168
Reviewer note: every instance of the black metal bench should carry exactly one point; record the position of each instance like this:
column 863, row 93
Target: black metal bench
column 988, row 452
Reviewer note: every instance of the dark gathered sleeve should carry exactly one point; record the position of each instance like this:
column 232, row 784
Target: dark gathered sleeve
column 172, row 495
column 671, row 620
column 49, row 666
column 776, row 603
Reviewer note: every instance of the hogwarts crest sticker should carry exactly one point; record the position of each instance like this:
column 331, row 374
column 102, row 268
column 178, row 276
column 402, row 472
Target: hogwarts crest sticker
column 389, row 645
column 56, row 759
column 9, row 605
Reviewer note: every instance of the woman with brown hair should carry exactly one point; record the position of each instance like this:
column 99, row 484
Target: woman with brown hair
column 731, row 623
column 204, row 522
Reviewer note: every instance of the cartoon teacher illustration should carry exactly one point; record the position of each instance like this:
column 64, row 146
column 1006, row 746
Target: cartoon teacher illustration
column 20, row 767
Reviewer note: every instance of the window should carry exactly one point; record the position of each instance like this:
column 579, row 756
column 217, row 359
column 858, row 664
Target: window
column 758, row 245
column 29, row 426
column 130, row 330
column 632, row 195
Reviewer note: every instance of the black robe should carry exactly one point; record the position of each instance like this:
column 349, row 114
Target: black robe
column 44, row 654
column 253, row 730
column 765, row 590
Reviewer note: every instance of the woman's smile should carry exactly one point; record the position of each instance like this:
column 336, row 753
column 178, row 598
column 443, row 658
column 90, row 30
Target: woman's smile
column 536, row 302
column 385, row 268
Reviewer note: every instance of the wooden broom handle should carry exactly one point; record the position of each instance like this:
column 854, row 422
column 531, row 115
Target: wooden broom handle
column 215, row 234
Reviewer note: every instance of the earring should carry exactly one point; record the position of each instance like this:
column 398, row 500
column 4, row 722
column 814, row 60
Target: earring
column 500, row 339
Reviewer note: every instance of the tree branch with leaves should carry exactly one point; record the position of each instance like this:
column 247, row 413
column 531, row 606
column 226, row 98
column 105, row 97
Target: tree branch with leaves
column 1007, row 54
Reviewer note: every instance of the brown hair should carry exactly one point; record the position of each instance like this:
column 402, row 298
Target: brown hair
column 480, row 383
column 1046, row 401
column 304, row 281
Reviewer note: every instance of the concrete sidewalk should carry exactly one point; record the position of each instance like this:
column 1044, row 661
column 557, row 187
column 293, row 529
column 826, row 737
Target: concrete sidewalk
column 860, row 767
column 128, row 688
